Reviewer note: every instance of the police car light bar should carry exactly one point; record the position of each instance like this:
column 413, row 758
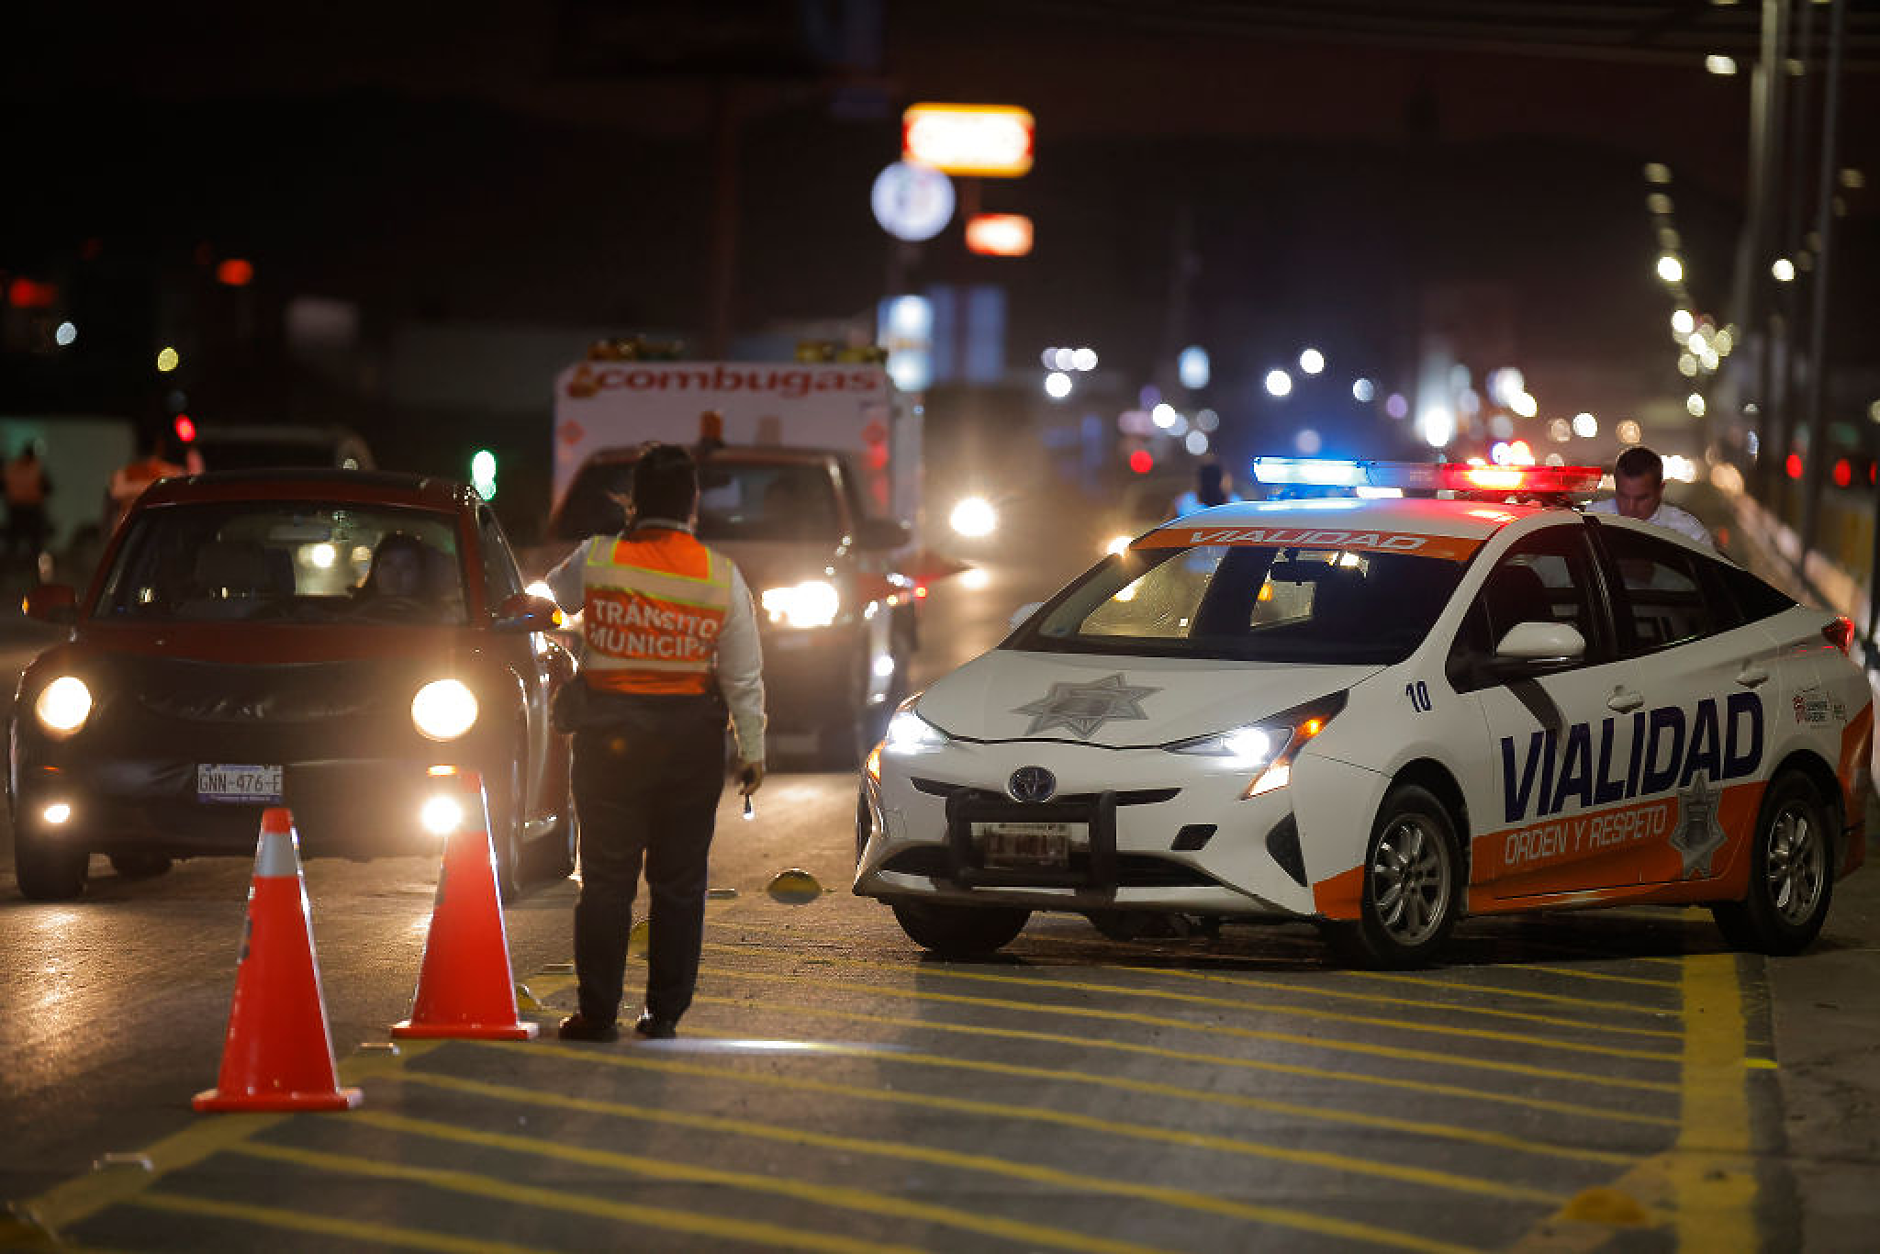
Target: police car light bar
column 1425, row 476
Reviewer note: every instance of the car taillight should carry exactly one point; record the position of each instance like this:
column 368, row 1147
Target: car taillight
column 1840, row 633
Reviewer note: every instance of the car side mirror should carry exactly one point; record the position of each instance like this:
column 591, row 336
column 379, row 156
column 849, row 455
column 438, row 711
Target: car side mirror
column 522, row 612
column 1022, row 613
column 52, row 603
column 881, row 533
column 1541, row 642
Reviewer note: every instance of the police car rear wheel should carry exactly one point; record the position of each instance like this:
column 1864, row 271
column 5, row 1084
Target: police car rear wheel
column 1791, row 877
column 1412, row 883
column 959, row 931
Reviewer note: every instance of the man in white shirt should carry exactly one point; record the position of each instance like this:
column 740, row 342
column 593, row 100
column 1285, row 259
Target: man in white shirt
column 1638, row 479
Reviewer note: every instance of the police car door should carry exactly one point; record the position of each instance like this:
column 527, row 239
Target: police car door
column 1555, row 803
column 1713, row 685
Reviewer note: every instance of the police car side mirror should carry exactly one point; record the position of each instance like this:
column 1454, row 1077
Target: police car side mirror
column 52, row 603
column 881, row 533
column 522, row 612
column 1022, row 613
column 1541, row 642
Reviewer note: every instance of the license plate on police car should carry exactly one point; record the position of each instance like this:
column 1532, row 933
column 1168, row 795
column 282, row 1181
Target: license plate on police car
column 1028, row 844
column 237, row 784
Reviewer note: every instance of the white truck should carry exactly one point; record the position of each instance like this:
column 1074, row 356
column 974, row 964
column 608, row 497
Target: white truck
column 814, row 492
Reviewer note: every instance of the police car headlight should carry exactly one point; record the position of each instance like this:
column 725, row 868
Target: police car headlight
column 541, row 589
column 63, row 705
column 812, row 603
column 1266, row 748
column 908, row 731
column 1243, row 748
column 444, row 709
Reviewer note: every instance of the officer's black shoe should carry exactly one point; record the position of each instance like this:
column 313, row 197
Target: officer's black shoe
column 576, row 1027
column 655, row 1028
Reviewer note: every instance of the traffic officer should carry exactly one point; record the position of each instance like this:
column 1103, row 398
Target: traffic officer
column 671, row 646
column 1638, row 480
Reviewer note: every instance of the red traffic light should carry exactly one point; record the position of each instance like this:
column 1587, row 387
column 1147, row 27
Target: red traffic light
column 234, row 272
column 1794, row 465
column 1141, row 462
column 185, row 429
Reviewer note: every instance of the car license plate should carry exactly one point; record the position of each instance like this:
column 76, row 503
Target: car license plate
column 1027, row 844
column 237, row 784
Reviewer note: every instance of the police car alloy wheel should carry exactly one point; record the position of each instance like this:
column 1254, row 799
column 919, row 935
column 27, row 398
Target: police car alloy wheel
column 1412, row 883
column 1790, row 876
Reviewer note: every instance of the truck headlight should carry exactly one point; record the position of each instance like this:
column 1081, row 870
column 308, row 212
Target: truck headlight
column 812, row 603
column 974, row 517
column 63, row 705
column 444, row 709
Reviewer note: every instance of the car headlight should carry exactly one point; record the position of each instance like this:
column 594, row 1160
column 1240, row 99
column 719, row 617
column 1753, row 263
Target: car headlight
column 1266, row 748
column 63, row 705
column 812, row 603
column 974, row 517
column 444, row 709
column 908, row 731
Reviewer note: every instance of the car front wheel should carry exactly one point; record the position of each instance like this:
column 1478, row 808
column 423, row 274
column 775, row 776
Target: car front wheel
column 1791, row 874
column 48, row 870
column 1413, row 883
column 959, row 931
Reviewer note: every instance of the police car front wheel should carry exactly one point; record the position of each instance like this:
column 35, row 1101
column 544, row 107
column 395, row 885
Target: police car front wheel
column 1791, row 875
column 1412, row 883
column 959, row 931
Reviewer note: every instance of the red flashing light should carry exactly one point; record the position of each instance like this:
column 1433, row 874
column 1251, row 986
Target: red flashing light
column 1794, row 465
column 1140, row 461
column 1843, row 473
column 23, row 293
column 1840, row 633
column 185, row 428
column 234, row 272
column 1464, row 477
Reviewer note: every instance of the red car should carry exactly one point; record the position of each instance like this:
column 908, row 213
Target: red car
column 320, row 639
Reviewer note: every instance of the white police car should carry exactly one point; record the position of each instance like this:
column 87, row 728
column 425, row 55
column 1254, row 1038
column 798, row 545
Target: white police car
column 1384, row 714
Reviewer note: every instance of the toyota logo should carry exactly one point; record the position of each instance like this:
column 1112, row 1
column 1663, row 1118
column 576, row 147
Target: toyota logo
column 1031, row 783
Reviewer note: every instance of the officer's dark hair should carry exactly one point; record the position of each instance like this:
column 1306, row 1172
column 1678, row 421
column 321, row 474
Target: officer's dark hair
column 1211, row 489
column 665, row 482
column 1639, row 461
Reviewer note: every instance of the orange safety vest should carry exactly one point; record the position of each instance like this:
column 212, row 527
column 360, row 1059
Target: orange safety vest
column 652, row 605
column 25, row 482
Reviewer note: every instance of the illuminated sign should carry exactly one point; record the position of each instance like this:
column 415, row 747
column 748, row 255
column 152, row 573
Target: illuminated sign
column 999, row 234
column 993, row 141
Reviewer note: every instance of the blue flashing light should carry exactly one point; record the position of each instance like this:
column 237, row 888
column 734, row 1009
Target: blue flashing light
column 1309, row 471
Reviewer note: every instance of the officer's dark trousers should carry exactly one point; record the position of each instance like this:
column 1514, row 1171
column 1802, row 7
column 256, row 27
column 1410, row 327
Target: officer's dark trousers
column 647, row 784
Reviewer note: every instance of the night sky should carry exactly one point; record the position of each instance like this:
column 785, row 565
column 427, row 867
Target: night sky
column 1320, row 168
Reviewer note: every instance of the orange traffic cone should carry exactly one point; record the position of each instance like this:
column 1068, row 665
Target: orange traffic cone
column 279, row 1054
column 464, row 985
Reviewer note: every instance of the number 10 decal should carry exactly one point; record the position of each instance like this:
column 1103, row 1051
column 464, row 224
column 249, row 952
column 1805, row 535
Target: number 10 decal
column 1419, row 694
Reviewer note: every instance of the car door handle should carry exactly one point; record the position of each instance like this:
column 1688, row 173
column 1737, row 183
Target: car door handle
column 1624, row 701
column 1750, row 676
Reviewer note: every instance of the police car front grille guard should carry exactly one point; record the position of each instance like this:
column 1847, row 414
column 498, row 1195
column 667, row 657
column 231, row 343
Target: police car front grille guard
column 1127, row 797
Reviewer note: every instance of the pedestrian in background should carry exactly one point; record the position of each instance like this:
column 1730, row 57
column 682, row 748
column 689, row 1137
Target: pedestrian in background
column 671, row 651
column 1638, row 479
column 1213, row 486
column 27, row 487
column 129, row 480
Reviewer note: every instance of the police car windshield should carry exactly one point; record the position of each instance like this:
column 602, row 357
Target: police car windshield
column 1248, row 603
column 285, row 562
column 738, row 500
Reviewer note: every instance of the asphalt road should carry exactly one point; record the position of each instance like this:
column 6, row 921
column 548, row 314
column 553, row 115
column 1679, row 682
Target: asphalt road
column 1567, row 1081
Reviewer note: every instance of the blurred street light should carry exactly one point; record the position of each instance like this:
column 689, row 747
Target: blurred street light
column 1193, row 368
column 1783, row 269
column 66, row 334
column 1682, row 322
column 1585, row 426
column 1312, row 361
column 1670, row 269
column 167, row 360
column 1629, row 432
column 1057, row 385
column 1362, row 390
column 1720, row 65
column 1694, row 405
column 1278, row 383
column 1163, row 415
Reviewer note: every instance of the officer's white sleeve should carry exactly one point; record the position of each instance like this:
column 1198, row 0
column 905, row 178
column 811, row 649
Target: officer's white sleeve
column 741, row 670
column 1684, row 523
column 564, row 582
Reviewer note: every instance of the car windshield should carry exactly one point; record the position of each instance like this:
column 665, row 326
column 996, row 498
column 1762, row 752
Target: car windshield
column 1248, row 603
column 754, row 500
column 287, row 562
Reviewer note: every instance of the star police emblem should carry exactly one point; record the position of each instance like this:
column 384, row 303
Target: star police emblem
column 1082, row 708
column 1699, row 835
